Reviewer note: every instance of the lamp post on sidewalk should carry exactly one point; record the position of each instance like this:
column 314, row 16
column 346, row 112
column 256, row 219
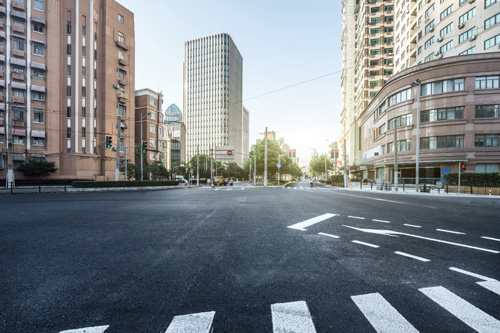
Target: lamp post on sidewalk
column 417, row 83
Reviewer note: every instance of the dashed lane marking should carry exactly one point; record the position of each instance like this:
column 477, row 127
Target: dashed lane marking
column 481, row 277
column 95, row 329
column 463, row 310
column 413, row 225
column 381, row 221
column 292, row 317
column 196, row 322
column 366, row 244
column 490, row 238
column 307, row 223
column 412, row 256
column 381, row 315
column 451, row 232
column 328, row 235
column 356, row 217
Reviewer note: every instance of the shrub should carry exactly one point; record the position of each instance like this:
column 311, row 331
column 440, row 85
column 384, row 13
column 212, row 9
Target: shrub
column 474, row 179
column 125, row 184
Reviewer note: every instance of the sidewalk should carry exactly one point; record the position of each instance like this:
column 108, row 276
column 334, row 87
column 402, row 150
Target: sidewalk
column 70, row 189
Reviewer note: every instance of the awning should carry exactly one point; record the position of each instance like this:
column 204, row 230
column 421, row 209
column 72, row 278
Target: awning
column 38, row 155
column 18, row 36
column 2, row 58
column 2, row 106
column 38, row 88
column 18, row 14
column 38, row 41
column 2, row 9
column 2, row 130
column 18, row 157
column 38, row 65
column 38, row 134
column 2, row 83
column 2, row 34
column 19, row 132
column 38, row 19
column 19, row 62
column 18, row 85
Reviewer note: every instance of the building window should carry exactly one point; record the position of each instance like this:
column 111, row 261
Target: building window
column 68, row 49
column 487, row 140
column 446, row 12
column 429, row 11
column 18, row 140
column 121, row 37
column 121, row 19
column 38, row 27
column 121, row 54
column 84, row 51
column 121, row 110
column 487, row 82
column 38, row 115
column 19, row 23
column 466, row 35
column 38, row 49
column 68, row 91
column 467, row 16
column 18, row 69
column 400, row 97
column 68, row 111
column 152, row 101
column 38, row 4
column 472, row 50
column 429, row 42
column 429, row 26
column 488, row 111
column 84, row 71
column 445, row 86
column 18, row 44
column 381, row 130
column 446, row 47
column 84, row 111
column 18, row 93
column 434, row 115
column 491, row 21
column 401, row 121
column 84, row 31
column 487, row 168
column 68, row 133
column 18, row 114
column 492, row 42
column 68, row 27
column 430, row 57
column 84, row 91
column 38, row 141
column 446, row 30
column 38, row 73
column 488, row 3
column 441, row 142
column 38, row 96
column 152, row 128
column 152, row 142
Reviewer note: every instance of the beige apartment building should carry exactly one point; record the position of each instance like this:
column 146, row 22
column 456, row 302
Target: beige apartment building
column 67, row 71
column 149, row 117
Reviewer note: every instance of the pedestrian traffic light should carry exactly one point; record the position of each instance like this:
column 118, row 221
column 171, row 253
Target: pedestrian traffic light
column 109, row 142
column 144, row 146
column 464, row 168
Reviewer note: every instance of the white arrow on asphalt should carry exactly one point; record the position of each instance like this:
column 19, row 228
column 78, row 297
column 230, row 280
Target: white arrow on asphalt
column 392, row 233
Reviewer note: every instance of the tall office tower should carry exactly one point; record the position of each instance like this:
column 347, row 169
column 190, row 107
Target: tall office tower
column 430, row 30
column 67, row 71
column 176, row 135
column 213, row 107
column 246, row 133
column 367, row 49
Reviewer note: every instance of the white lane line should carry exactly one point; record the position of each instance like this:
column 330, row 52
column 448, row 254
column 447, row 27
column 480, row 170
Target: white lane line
column 481, row 277
column 292, row 317
column 301, row 188
column 333, row 236
column 295, row 188
column 412, row 256
column 490, row 238
column 95, row 329
column 195, row 322
column 493, row 286
column 392, row 201
column 307, row 223
column 463, row 310
column 413, row 225
column 363, row 243
column 381, row 315
column 356, row 217
column 381, row 221
column 393, row 233
column 451, row 232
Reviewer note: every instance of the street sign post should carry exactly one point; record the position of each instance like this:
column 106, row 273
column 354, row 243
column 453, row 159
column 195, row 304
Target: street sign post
column 229, row 152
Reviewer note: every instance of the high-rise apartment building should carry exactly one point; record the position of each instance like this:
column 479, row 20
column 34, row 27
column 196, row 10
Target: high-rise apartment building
column 368, row 51
column 246, row 132
column 67, row 70
column 213, row 107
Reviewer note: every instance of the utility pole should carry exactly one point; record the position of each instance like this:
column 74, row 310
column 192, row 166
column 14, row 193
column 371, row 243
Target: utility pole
column 459, row 169
column 142, row 176
column 265, row 158
column 345, row 164
column 326, row 177
column 118, row 146
column 211, row 164
column 10, row 180
column 396, row 175
column 198, row 166
column 254, row 169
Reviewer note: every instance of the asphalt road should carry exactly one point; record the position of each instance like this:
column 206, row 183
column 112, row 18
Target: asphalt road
column 241, row 259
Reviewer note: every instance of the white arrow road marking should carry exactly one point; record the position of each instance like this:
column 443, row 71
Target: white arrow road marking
column 192, row 323
column 481, row 277
column 381, row 315
column 463, row 310
column 95, row 329
column 494, row 286
column 303, row 225
column 292, row 317
column 390, row 232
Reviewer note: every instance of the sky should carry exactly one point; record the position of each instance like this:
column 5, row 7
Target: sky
column 283, row 43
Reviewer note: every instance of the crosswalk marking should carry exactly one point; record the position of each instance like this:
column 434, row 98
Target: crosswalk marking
column 95, row 329
column 463, row 310
column 491, row 285
column 292, row 317
column 303, row 225
column 192, row 323
column 381, row 315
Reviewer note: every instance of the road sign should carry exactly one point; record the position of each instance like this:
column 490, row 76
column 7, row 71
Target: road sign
column 229, row 152
column 278, row 165
column 191, row 170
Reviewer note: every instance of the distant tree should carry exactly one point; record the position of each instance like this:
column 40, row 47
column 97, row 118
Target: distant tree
column 317, row 165
column 37, row 168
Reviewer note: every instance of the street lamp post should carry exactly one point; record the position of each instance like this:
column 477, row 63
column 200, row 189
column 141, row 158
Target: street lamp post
column 140, row 121
column 279, row 169
column 417, row 83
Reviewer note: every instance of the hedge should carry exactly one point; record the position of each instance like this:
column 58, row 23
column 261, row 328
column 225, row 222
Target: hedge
column 474, row 179
column 337, row 179
column 123, row 183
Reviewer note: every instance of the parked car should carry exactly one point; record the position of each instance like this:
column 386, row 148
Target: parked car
column 218, row 181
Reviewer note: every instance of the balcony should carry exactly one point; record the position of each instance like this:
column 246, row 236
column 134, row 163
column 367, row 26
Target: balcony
column 18, row 6
column 123, row 62
column 122, row 97
column 123, row 82
column 18, row 100
column 121, row 44
column 17, row 53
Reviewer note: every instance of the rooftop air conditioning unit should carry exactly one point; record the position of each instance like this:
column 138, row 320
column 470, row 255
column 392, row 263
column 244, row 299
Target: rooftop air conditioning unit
column 437, row 53
column 116, row 86
column 440, row 39
column 471, row 1
column 431, row 29
column 427, row 1
column 461, row 25
column 473, row 38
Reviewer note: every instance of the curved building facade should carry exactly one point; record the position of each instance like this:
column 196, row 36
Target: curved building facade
column 459, row 121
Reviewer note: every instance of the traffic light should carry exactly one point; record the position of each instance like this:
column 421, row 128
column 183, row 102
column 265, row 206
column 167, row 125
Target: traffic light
column 464, row 168
column 290, row 153
column 144, row 146
column 332, row 153
column 294, row 153
column 109, row 142
column 336, row 153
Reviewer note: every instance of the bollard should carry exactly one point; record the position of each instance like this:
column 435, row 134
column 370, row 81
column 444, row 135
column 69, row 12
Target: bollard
column 361, row 185
column 403, row 187
column 471, row 189
column 490, row 190
column 11, row 187
column 371, row 186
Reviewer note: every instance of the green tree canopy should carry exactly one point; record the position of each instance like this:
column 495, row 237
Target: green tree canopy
column 273, row 151
column 317, row 165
